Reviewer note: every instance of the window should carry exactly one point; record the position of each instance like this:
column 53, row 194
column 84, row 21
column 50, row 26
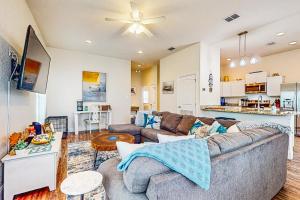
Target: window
column 145, row 96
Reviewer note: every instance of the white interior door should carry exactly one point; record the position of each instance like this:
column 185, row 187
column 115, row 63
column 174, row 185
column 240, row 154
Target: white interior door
column 186, row 95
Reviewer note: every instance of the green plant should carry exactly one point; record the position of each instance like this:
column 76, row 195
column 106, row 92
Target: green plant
column 21, row 145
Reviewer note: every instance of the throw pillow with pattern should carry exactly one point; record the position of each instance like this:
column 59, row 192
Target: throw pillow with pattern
column 197, row 124
column 153, row 121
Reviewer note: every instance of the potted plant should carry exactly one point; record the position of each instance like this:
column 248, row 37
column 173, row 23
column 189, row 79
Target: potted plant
column 20, row 147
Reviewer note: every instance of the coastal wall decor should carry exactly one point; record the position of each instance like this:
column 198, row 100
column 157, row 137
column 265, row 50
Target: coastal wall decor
column 94, row 86
column 168, row 87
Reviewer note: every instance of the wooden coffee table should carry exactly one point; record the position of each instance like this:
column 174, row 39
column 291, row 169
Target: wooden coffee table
column 107, row 142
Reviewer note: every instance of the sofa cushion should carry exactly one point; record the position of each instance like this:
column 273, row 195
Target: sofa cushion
column 258, row 134
column 206, row 120
column 185, row 124
column 137, row 175
column 152, row 133
column 170, row 121
column 231, row 141
column 114, row 184
column 227, row 123
column 125, row 128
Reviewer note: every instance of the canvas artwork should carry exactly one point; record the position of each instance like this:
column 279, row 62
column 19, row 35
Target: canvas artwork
column 168, row 87
column 133, row 91
column 94, row 86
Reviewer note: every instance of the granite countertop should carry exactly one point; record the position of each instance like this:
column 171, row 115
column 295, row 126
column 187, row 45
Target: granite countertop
column 233, row 109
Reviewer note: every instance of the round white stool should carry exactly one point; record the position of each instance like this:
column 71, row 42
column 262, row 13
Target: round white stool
column 81, row 183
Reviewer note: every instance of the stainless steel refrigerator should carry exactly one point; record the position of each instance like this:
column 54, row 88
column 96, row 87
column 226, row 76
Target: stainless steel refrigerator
column 290, row 101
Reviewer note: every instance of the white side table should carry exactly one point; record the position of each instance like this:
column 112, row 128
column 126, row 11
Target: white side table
column 81, row 183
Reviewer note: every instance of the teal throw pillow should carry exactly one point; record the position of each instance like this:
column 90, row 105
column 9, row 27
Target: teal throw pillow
column 197, row 124
column 222, row 130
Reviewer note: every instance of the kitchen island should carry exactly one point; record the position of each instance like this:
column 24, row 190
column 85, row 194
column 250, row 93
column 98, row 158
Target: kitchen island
column 284, row 118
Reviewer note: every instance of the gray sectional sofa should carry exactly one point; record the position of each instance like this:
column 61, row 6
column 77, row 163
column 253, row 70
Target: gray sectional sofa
column 249, row 165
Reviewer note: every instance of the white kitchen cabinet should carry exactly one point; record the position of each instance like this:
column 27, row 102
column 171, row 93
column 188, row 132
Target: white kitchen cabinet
column 259, row 77
column 225, row 89
column 273, row 85
column 238, row 88
column 233, row 89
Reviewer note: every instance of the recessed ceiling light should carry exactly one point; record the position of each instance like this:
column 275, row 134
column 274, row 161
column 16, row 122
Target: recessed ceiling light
column 140, row 52
column 229, row 59
column 293, row 43
column 139, row 65
column 280, row 34
column 88, row 41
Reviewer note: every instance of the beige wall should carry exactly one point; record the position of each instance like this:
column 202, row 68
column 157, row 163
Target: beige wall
column 180, row 63
column 136, row 82
column 286, row 64
column 146, row 78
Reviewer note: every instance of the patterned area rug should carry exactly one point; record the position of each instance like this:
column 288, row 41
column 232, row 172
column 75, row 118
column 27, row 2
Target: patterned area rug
column 81, row 157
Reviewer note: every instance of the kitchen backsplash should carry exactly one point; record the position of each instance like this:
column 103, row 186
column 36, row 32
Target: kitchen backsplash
column 236, row 100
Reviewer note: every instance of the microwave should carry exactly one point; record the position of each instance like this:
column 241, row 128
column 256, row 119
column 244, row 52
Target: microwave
column 255, row 88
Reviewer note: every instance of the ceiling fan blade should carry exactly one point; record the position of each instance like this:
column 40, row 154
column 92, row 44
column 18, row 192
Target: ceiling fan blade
column 127, row 31
column 153, row 20
column 118, row 20
column 147, row 32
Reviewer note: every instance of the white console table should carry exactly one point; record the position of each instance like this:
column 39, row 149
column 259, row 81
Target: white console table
column 78, row 113
column 23, row 173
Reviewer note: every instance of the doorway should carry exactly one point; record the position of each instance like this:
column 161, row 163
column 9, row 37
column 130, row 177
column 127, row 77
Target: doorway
column 186, row 95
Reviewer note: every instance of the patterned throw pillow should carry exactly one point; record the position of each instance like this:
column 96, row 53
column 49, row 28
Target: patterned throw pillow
column 197, row 124
column 222, row 130
column 202, row 131
column 152, row 121
column 214, row 127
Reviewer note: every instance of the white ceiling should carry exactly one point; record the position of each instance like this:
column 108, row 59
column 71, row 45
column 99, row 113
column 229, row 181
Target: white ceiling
column 68, row 23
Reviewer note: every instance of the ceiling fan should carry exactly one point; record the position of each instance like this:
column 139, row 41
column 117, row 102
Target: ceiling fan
column 137, row 21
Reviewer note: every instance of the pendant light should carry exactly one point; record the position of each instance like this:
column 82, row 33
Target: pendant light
column 243, row 60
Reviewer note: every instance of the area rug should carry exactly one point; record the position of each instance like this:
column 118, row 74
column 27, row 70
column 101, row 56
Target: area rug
column 81, row 157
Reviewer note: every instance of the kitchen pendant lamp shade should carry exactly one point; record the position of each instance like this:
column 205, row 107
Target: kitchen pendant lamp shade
column 255, row 59
column 244, row 61
column 232, row 64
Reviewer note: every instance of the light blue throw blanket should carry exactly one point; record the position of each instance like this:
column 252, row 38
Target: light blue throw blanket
column 188, row 157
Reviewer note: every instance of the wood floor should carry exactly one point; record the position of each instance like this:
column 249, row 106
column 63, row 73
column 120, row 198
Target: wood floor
column 290, row 191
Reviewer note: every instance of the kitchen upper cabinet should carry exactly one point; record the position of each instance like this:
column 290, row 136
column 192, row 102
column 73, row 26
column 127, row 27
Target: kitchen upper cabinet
column 256, row 77
column 233, row 89
column 273, row 85
column 238, row 88
column 225, row 89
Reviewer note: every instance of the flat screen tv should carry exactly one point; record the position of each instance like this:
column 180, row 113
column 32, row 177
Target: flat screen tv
column 35, row 64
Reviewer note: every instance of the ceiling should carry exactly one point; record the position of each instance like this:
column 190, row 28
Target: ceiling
column 67, row 24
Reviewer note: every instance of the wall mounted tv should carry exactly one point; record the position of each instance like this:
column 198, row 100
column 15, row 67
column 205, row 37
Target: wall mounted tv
column 35, row 64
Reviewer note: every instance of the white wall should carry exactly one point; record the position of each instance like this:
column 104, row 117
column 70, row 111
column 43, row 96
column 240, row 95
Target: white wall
column 178, row 64
column 15, row 16
column 200, row 59
column 209, row 63
column 65, row 83
column 286, row 64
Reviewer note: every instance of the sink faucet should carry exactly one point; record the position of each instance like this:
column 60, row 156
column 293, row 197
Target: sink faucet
column 259, row 101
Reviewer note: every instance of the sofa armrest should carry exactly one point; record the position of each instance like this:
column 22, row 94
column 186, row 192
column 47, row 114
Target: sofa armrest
column 171, row 185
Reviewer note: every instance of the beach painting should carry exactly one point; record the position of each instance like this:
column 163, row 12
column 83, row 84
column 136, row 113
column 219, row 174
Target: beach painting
column 94, row 86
